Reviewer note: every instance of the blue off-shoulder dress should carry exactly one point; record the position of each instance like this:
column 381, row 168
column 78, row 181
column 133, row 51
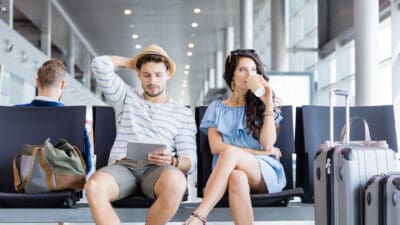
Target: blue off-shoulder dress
column 231, row 123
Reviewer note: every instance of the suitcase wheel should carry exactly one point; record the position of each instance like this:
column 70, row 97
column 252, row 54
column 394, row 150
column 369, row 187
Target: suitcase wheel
column 369, row 198
column 394, row 199
column 341, row 173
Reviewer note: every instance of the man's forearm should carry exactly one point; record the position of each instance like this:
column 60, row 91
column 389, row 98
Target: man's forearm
column 184, row 164
column 121, row 62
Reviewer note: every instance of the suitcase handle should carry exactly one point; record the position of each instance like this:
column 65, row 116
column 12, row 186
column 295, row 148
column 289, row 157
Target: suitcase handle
column 332, row 102
column 367, row 135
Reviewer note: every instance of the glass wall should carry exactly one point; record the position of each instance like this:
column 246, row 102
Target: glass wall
column 13, row 89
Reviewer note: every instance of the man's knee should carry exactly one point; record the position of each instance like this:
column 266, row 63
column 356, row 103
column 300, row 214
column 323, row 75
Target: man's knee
column 100, row 184
column 171, row 184
column 92, row 185
column 238, row 182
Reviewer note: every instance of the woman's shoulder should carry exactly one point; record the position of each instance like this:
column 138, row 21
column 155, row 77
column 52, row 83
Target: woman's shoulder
column 228, row 120
column 225, row 105
column 220, row 110
column 214, row 106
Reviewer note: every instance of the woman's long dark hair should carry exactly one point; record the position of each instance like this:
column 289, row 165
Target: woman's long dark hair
column 254, row 107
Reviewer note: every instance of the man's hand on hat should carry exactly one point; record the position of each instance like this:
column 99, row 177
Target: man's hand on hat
column 121, row 62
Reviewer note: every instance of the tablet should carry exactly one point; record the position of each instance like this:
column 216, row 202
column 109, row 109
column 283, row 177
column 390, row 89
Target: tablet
column 139, row 150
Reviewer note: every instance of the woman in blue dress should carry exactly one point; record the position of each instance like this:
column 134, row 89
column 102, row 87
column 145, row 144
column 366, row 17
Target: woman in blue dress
column 241, row 132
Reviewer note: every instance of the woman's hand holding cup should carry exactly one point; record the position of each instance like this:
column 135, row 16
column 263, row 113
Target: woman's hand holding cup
column 260, row 88
column 254, row 84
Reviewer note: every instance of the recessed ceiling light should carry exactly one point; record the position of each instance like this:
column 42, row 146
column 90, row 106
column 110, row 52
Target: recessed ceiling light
column 191, row 45
column 127, row 12
column 187, row 66
column 189, row 53
column 184, row 85
column 132, row 26
column 135, row 36
column 186, row 72
column 138, row 46
column 194, row 25
column 197, row 10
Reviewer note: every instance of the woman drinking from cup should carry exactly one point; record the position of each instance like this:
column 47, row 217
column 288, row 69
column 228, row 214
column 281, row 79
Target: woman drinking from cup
column 242, row 131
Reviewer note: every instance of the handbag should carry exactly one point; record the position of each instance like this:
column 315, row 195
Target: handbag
column 45, row 168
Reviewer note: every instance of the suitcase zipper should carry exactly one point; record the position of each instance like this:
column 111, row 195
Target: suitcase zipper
column 382, row 199
column 329, row 188
column 328, row 166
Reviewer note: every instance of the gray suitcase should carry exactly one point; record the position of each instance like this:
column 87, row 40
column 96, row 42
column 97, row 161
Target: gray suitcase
column 382, row 200
column 341, row 171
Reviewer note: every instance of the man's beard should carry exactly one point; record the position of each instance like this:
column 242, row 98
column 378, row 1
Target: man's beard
column 153, row 95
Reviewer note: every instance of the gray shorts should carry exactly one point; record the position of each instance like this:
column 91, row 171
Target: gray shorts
column 135, row 176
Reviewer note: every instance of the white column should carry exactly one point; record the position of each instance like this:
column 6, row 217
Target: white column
column 279, row 53
column 71, row 52
column 395, row 20
column 45, row 37
column 87, row 72
column 229, row 40
column 366, row 27
column 205, row 87
column 211, row 78
column 246, row 24
column 98, row 93
column 219, row 69
column 7, row 12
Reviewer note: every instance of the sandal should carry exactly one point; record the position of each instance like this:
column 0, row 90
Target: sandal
column 195, row 215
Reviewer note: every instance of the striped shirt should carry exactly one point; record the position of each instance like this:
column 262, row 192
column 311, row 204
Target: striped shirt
column 139, row 120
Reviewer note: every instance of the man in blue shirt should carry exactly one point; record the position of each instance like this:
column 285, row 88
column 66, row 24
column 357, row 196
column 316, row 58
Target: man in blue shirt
column 50, row 82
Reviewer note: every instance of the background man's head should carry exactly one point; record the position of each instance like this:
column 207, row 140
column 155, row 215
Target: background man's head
column 51, row 78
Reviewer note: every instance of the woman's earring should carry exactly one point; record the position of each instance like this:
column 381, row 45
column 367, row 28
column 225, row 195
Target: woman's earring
column 232, row 85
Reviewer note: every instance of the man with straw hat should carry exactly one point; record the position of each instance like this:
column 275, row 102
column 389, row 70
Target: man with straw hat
column 150, row 117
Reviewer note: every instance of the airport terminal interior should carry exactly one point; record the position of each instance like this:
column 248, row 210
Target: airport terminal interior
column 308, row 47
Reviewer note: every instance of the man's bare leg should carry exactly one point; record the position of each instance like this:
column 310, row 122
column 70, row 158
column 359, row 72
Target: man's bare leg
column 169, row 189
column 101, row 189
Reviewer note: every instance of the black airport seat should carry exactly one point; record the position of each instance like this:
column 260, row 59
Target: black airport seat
column 33, row 125
column 285, row 142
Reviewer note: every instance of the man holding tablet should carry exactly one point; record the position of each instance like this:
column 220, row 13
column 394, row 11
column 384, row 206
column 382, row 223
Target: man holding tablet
column 148, row 117
column 141, row 151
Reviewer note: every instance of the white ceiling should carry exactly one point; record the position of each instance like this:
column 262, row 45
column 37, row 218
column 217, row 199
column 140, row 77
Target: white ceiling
column 164, row 22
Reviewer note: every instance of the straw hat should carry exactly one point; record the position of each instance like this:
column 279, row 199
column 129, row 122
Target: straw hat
column 156, row 50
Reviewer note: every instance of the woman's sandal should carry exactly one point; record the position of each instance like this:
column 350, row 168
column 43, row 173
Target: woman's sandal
column 195, row 215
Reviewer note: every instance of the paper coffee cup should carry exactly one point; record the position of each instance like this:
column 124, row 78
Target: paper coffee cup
column 253, row 83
